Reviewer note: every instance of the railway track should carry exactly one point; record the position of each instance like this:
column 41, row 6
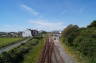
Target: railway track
column 50, row 53
column 47, row 51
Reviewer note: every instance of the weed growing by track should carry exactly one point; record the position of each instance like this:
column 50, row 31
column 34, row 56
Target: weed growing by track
column 34, row 54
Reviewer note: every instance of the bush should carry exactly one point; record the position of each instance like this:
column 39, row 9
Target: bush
column 86, row 42
column 82, row 39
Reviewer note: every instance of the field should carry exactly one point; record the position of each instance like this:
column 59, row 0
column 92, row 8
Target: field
column 7, row 41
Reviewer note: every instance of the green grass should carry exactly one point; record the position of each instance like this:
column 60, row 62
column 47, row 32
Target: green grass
column 34, row 54
column 80, row 58
column 7, row 41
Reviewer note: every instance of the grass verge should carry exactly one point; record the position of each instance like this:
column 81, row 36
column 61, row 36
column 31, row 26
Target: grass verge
column 80, row 58
column 34, row 54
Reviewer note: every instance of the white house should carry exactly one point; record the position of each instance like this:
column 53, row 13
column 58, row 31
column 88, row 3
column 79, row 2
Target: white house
column 27, row 33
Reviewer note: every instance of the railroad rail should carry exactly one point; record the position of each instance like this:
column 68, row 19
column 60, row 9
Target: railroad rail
column 50, row 51
column 47, row 51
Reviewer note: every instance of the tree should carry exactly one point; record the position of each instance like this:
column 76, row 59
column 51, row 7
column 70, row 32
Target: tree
column 69, row 33
column 69, row 29
column 93, row 24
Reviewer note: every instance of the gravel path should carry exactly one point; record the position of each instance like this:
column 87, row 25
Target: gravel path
column 59, row 54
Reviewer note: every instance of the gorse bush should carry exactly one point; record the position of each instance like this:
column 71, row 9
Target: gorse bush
column 82, row 39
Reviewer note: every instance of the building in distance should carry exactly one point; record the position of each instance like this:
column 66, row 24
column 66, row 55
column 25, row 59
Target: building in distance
column 29, row 33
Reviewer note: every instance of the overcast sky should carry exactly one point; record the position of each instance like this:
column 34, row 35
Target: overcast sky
column 17, row 15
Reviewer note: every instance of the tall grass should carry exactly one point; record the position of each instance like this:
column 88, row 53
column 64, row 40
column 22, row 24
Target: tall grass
column 80, row 58
column 34, row 54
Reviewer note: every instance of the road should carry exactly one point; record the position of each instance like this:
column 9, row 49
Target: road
column 59, row 55
column 9, row 47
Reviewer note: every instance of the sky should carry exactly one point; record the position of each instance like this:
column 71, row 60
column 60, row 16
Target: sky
column 17, row 15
